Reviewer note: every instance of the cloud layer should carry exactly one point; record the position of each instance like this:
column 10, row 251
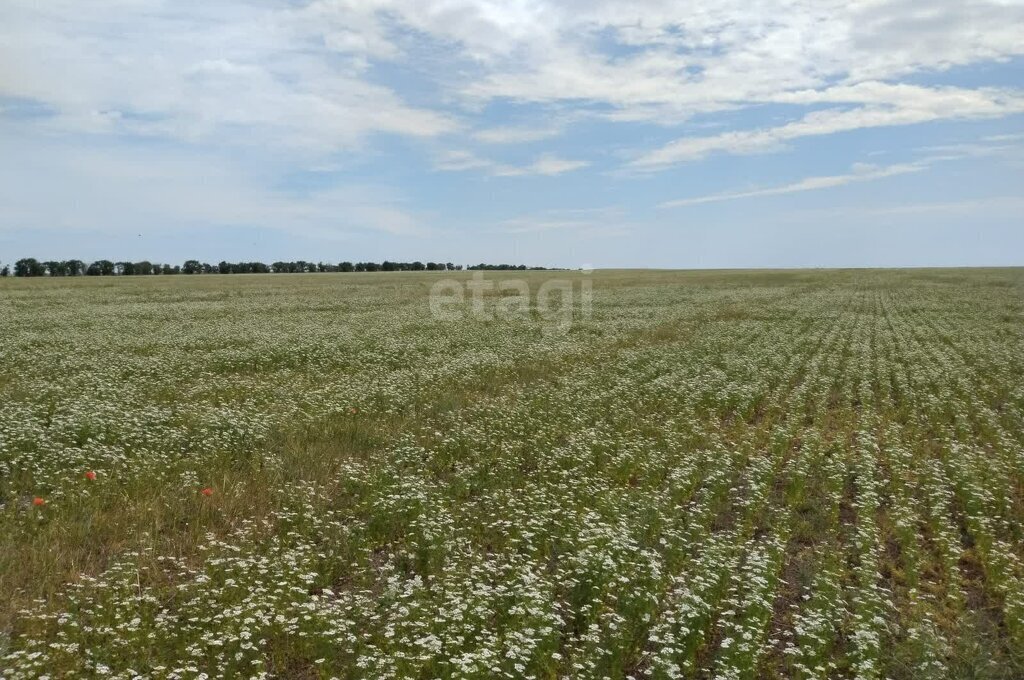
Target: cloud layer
column 304, row 75
column 328, row 116
column 858, row 174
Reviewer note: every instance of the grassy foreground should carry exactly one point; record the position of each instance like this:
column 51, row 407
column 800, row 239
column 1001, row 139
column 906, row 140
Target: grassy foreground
column 712, row 474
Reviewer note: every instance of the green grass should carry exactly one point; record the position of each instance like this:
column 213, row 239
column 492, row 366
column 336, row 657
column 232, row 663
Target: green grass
column 737, row 474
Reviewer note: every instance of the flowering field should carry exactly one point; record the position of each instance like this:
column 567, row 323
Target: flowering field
column 711, row 475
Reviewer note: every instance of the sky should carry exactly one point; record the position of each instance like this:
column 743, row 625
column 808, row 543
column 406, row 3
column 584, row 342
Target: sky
column 653, row 133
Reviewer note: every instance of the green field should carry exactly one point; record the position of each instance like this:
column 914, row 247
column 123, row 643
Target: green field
column 792, row 474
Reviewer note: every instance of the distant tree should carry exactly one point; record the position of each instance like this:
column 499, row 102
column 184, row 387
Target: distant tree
column 106, row 267
column 5, row 272
column 345, row 267
column 144, row 268
column 167, row 269
column 417, row 266
column 192, row 267
column 93, row 270
column 498, row 267
column 29, row 266
column 125, row 268
column 74, row 267
column 225, row 268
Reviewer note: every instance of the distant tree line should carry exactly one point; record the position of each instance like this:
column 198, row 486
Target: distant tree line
column 31, row 267
column 502, row 267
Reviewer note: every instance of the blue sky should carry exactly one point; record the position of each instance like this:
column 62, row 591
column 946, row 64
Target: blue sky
column 610, row 134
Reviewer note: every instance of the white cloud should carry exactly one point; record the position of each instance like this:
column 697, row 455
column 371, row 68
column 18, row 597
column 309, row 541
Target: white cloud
column 684, row 58
column 460, row 160
column 229, row 72
column 886, row 106
column 1004, row 147
column 897, row 37
column 545, row 164
column 860, row 173
column 294, row 77
column 515, row 135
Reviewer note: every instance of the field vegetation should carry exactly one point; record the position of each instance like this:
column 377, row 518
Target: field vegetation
column 798, row 474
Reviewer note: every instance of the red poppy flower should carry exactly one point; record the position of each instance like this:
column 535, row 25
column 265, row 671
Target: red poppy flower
column 37, row 501
column 90, row 475
column 207, row 491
